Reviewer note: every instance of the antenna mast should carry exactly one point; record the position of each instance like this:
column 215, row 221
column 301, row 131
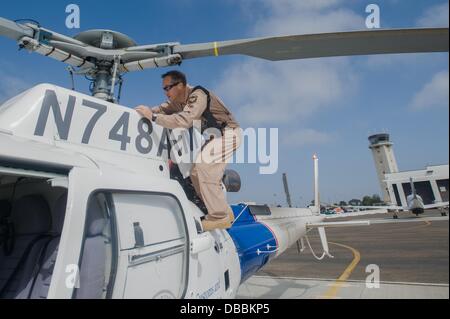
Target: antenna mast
column 286, row 190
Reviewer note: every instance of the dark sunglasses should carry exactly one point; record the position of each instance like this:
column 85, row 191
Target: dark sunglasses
column 167, row 88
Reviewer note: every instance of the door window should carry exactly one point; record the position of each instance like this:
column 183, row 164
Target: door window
column 153, row 235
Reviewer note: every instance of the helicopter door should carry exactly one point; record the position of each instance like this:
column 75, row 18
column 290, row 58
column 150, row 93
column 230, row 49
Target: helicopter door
column 153, row 237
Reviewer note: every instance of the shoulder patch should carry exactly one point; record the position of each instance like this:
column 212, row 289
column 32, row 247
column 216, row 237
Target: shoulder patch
column 192, row 99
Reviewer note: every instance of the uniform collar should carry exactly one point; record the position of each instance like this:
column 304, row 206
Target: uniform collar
column 188, row 93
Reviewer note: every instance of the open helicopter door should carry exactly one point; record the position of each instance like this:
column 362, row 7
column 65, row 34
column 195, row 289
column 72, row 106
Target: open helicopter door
column 155, row 241
column 128, row 237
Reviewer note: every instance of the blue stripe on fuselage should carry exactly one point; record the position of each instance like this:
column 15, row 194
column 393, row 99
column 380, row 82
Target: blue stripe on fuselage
column 249, row 236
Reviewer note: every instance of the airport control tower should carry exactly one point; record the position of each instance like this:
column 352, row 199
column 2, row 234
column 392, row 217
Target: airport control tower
column 385, row 163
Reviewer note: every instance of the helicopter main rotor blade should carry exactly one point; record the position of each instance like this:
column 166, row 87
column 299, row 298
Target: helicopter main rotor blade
column 102, row 54
column 14, row 30
column 325, row 44
column 55, row 53
column 136, row 58
column 67, row 45
column 17, row 31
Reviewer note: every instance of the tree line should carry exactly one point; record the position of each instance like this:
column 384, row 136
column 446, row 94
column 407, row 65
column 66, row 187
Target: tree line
column 367, row 200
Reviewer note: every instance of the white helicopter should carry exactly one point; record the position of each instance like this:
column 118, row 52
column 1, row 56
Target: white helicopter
column 87, row 202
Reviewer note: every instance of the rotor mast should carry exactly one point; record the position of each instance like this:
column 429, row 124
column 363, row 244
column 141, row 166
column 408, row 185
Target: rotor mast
column 104, row 76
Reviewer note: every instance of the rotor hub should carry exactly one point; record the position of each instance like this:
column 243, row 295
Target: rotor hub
column 105, row 39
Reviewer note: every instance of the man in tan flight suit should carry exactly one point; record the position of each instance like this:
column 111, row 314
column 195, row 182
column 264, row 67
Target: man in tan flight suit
column 184, row 106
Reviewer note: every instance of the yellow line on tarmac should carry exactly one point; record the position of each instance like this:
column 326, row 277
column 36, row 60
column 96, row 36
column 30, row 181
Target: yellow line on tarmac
column 332, row 292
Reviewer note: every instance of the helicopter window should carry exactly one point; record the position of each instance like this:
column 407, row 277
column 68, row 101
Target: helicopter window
column 160, row 217
column 98, row 257
column 153, row 232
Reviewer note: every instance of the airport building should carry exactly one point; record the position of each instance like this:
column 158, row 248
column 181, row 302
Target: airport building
column 431, row 183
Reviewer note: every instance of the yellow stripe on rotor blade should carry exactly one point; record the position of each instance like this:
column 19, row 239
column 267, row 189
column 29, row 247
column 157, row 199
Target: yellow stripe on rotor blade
column 216, row 49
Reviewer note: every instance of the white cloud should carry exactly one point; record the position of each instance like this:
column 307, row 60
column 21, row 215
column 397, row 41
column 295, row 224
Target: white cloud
column 375, row 62
column 433, row 94
column 300, row 17
column 435, row 16
column 282, row 92
column 272, row 93
column 304, row 137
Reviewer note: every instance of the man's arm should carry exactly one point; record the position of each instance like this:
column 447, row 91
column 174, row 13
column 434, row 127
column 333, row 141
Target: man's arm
column 150, row 112
column 192, row 111
column 161, row 109
column 147, row 111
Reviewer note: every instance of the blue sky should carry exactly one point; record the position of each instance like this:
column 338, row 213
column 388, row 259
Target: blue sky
column 324, row 106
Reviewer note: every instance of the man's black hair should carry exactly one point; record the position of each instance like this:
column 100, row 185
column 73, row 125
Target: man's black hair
column 176, row 76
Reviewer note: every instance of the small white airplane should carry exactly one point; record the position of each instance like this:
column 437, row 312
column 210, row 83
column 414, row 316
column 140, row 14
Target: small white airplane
column 415, row 204
column 89, row 207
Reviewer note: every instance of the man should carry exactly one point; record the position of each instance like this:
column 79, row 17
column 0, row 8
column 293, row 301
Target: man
column 184, row 106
